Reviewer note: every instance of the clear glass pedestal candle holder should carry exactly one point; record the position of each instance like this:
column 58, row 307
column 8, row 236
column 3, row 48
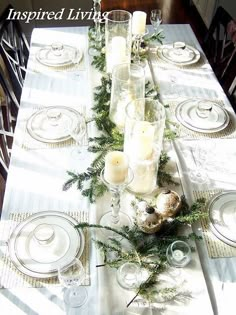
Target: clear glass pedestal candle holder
column 128, row 83
column 143, row 142
column 118, row 38
column 115, row 218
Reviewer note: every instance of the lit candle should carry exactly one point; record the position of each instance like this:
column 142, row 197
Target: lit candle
column 139, row 23
column 116, row 167
column 178, row 255
column 143, row 140
column 116, row 52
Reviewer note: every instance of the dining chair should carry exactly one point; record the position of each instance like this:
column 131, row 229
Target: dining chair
column 14, row 50
column 220, row 42
column 6, row 136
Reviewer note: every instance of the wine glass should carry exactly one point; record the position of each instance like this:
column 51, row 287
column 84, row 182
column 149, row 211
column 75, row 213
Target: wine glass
column 198, row 174
column 71, row 277
column 156, row 19
column 77, row 130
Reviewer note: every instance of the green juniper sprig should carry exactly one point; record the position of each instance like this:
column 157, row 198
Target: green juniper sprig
column 145, row 250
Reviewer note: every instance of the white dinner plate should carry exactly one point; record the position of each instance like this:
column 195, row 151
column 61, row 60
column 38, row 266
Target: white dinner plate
column 42, row 260
column 186, row 113
column 184, row 57
column 69, row 56
column 42, row 127
column 222, row 216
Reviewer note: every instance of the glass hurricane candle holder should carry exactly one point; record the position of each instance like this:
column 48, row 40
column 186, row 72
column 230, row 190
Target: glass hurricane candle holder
column 118, row 38
column 128, row 83
column 143, row 141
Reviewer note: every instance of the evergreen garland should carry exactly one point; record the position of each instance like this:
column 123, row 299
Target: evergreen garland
column 111, row 139
column 145, row 250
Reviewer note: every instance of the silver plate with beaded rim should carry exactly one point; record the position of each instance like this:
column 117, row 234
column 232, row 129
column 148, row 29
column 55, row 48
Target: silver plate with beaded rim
column 41, row 260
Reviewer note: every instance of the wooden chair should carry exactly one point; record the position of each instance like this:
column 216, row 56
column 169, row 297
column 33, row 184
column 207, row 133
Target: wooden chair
column 14, row 50
column 220, row 42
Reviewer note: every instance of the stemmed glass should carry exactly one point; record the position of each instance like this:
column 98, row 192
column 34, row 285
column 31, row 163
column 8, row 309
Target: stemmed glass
column 198, row 174
column 97, row 31
column 77, row 130
column 71, row 276
column 156, row 19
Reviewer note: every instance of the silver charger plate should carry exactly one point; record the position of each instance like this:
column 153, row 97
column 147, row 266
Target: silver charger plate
column 222, row 216
column 217, row 121
column 41, row 129
column 189, row 56
column 42, row 261
column 70, row 55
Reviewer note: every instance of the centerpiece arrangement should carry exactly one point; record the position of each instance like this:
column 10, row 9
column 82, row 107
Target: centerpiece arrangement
column 130, row 118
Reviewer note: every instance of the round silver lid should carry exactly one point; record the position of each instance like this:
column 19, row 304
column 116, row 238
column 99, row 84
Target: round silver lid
column 222, row 216
column 187, row 114
column 43, row 242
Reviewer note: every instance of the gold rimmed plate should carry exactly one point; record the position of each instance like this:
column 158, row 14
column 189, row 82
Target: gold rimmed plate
column 43, row 242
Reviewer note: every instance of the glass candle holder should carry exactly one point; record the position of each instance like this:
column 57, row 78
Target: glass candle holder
column 178, row 254
column 118, row 38
column 144, row 129
column 128, row 83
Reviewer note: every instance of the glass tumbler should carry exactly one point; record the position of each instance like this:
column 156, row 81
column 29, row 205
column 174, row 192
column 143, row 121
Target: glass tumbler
column 118, row 37
column 143, row 141
column 128, row 83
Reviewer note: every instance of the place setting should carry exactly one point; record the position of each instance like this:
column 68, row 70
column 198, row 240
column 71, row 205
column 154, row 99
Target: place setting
column 200, row 118
column 179, row 54
column 39, row 246
column 59, row 57
column 55, row 126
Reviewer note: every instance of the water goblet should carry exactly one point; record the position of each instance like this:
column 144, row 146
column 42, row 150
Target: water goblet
column 156, row 19
column 71, row 276
column 198, row 174
column 178, row 254
column 77, row 130
column 138, row 39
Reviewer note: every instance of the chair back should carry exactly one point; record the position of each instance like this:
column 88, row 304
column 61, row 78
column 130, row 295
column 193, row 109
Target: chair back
column 6, row 137
column 14, row 50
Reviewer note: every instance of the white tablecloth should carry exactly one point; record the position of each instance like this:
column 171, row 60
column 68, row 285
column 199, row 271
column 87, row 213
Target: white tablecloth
column 36, row 177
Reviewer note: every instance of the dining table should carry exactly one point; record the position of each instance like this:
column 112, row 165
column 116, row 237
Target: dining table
column 38, row 170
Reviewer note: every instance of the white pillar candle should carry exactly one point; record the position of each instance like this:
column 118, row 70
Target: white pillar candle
column 139, row 22
column 116, row 167
column 143, row 140
column 145, row 175
column 116, row 52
